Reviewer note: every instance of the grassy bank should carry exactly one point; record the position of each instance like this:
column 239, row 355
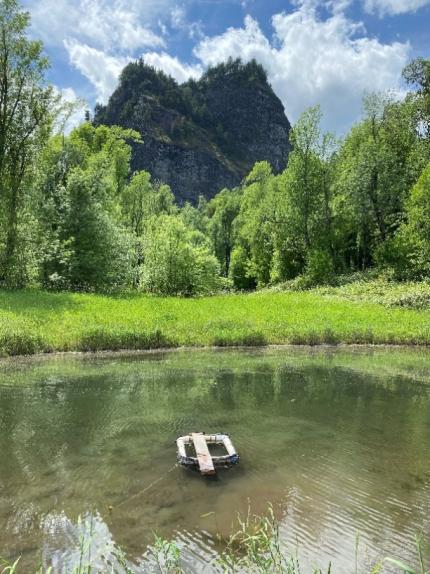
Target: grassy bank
column 36, row 321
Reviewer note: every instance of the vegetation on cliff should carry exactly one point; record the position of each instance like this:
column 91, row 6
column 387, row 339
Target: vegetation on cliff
column 193, row 138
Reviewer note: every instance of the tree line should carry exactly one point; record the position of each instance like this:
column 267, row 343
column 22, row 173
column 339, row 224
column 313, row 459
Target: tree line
column 74, row 217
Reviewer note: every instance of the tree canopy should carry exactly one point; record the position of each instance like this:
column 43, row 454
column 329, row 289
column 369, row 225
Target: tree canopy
column 74, row 216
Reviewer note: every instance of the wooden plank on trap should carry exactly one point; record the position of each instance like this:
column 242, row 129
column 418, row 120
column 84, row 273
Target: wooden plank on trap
column 202, row 452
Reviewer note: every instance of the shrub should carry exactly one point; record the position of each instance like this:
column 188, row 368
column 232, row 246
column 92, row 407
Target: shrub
column 409, row 252
column 177, row 260
column 319, row 268
column 239, row 269
column 411, row 297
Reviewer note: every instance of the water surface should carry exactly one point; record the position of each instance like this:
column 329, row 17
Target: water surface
column 337, row 441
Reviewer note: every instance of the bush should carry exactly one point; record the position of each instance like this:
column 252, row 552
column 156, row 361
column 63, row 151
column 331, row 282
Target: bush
column 319, row 271
column 177, row 260
column 239, row 269
column 319, row 268
column 411, row 296
column 408, row 254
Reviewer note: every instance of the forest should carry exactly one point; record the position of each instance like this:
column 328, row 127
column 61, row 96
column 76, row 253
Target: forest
column 75, row 218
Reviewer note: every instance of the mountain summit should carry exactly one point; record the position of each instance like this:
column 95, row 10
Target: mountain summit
column 200, row 136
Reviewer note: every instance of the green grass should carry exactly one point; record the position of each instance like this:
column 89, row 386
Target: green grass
column 35, row 321
column 379, row 290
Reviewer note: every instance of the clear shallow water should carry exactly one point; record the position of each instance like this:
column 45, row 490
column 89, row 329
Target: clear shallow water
column 337, row 441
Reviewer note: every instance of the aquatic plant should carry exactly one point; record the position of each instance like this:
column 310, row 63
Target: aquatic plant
column 407, row 569
column 254, row 548
column 8, row 568
column 167, row 555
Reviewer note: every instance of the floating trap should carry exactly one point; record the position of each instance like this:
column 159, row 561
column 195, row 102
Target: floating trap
column 193, row 451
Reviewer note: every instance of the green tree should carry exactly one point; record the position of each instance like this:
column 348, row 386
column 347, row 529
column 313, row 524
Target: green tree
column 176, row 260
column 223, row 210
column 286, row 222
column 306, row 230
column 302, row 175
column 84, row 242
column 409, row 251
column 255, row 229
column 379, row 162
column 196, row 217
column 25, row 123
column 239, row 271
column 100, row 252
column 417, row 75
column 141, row 200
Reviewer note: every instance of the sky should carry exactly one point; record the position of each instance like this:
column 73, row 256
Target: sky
column 327, row 52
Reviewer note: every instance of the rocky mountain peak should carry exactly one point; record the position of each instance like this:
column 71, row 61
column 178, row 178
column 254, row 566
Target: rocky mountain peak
column 203, row 135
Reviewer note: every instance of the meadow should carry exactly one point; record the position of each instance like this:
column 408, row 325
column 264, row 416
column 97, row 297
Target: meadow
column 33, row 321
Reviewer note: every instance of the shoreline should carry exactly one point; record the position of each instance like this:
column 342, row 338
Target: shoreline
column 213, row 348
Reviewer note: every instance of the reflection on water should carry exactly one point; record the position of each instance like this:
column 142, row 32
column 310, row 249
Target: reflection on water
column 337, row 441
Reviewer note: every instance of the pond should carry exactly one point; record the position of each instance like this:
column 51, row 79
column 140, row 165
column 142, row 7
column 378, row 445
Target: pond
column 337, row 441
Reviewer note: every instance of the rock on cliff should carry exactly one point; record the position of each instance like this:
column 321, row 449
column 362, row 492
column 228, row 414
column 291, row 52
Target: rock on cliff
column 200, row 136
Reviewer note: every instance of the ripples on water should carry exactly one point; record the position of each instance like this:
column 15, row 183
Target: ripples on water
column 337, row 441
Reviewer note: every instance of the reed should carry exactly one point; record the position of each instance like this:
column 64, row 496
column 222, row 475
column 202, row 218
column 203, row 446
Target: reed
column 254, row 547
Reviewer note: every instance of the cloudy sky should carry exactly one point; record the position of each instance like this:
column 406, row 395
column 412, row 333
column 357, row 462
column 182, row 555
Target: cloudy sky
column 315, row 51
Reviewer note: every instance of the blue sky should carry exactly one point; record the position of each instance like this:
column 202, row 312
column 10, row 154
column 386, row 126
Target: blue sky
column 315, row 51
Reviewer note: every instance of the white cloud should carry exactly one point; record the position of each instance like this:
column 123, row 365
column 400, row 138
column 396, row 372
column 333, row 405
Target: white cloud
column 105, row 24
column 248, row 42
column 98, row 67
column 179, row 21
column 309, row 60
column 103, row 70
column 338, row 5
column 393, row 7
column 177, row 17
column 172, row 66
column 312, row 61
column 102, row 36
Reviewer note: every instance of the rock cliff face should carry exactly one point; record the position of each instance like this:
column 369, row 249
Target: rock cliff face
column 204, row 135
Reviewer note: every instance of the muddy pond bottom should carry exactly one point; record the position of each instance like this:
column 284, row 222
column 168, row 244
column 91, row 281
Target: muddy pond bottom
column 337, row 441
